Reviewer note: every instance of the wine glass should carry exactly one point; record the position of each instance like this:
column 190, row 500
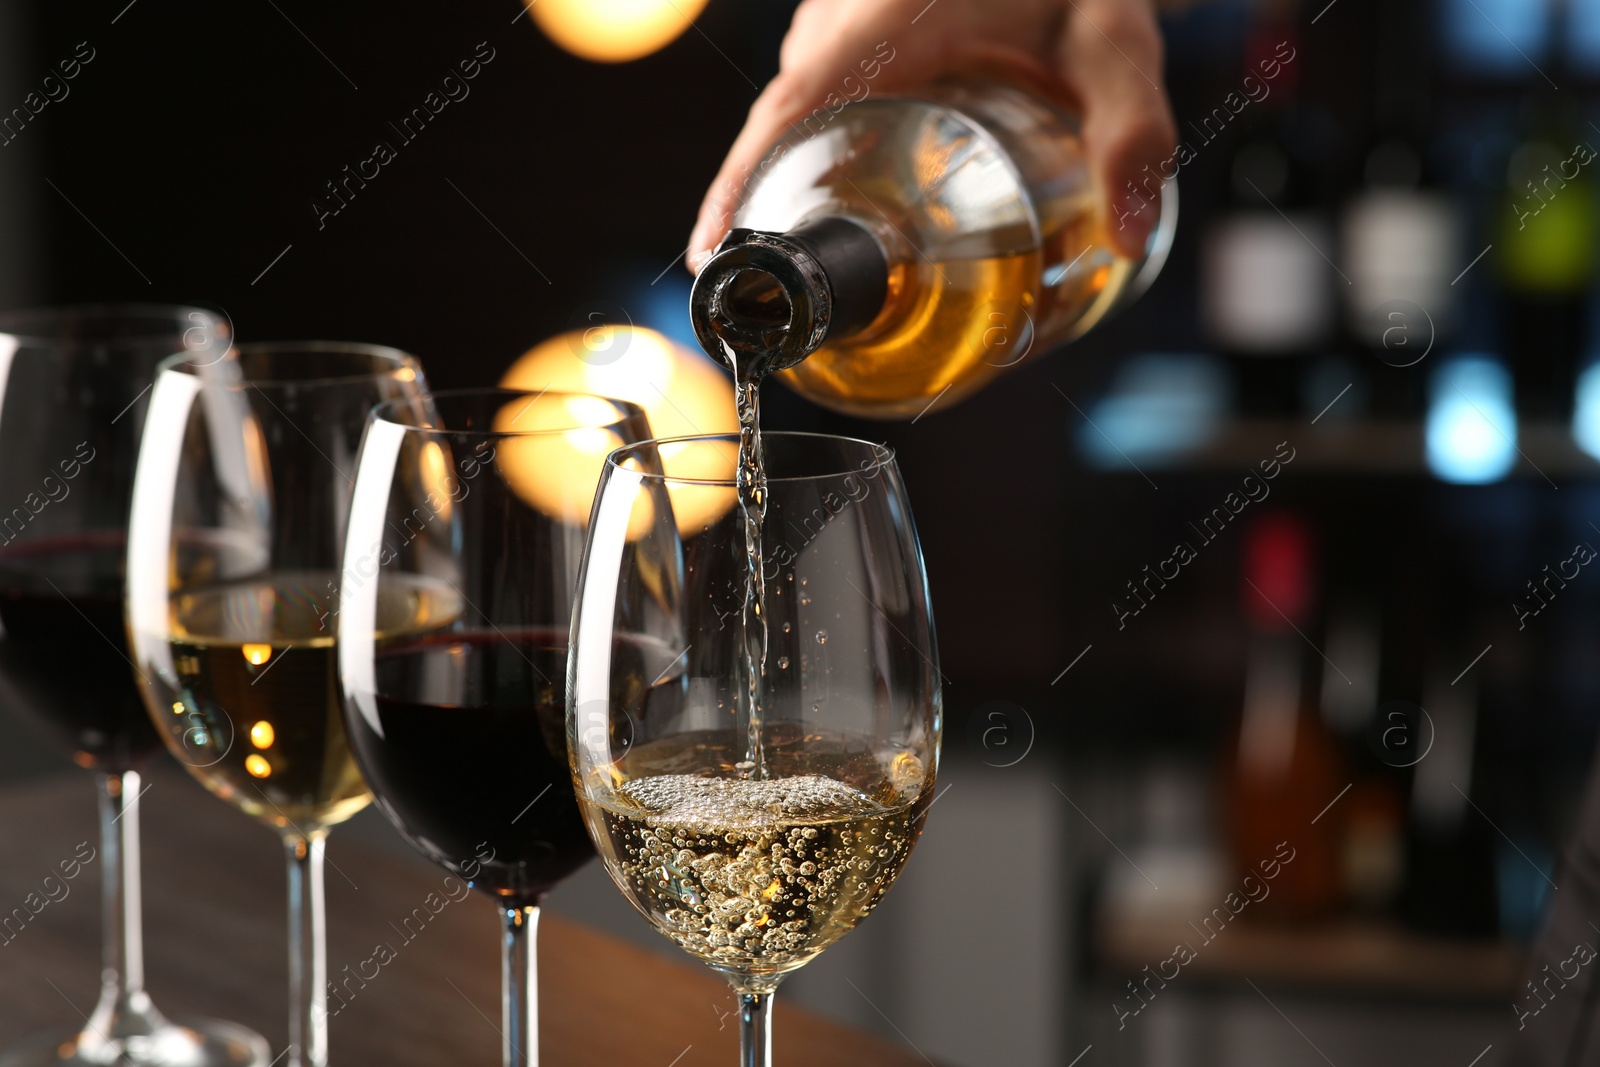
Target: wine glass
column 240, row 502
column 753, row 833
column 74, row 382
column 478, row 499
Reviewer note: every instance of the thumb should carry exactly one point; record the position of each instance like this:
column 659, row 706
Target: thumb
column 831, row 54
column 768, row 120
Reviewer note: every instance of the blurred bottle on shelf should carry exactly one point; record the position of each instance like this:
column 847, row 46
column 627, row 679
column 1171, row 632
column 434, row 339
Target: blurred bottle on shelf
column 1266, row 282
column 1424, row 737
column 1284, row 769
column 1373, row 848
column 1534, row 744
column 1376, row 747
column 1549, row 232
column 1401, row 233
column 1450, row 848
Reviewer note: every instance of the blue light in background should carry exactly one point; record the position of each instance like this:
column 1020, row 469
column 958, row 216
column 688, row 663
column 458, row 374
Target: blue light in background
column 1523, row 869
column 1496, row 37
column 1471, row 425
column 1586, row 411
column 1204, row 31
column 1583, row 34
column 1158, row 407
column 663, row 306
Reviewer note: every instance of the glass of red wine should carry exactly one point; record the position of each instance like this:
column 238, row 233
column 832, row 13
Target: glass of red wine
column 482, row 497
column 74, row 387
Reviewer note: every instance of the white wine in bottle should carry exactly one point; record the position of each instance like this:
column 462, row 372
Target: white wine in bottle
column 915, row 246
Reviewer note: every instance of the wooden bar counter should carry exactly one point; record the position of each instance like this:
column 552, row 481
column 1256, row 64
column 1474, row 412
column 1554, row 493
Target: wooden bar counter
column 216, row 945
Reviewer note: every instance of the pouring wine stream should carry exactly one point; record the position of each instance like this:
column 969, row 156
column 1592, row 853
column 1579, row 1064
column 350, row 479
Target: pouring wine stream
column 751, row 480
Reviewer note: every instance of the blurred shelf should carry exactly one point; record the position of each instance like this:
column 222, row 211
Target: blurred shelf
column 1373, row 447
column 1349, row 956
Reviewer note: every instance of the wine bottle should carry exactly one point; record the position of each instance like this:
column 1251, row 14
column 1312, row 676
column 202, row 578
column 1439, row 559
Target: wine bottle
column 1378, row 744
column 1266, row 288
column 899, row 256
column 1549, row 227
column 1450, row 845
column 1401, row 235
column 1285, row 769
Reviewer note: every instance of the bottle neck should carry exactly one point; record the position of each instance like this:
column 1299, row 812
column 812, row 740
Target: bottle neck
column 766, row 301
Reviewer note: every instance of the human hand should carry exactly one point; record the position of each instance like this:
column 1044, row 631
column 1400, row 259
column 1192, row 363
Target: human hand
column 1105, row 53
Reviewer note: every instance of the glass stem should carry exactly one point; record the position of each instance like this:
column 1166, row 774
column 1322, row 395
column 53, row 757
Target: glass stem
column 124, row 1008
column 308, row 952
column 519, row 975
column 755, row 1030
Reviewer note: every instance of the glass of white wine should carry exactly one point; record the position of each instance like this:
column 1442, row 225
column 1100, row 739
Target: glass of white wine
column 756, row 796
column 240, row 504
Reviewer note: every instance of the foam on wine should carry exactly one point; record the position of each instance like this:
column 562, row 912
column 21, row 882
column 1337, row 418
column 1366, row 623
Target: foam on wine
column 757, row 876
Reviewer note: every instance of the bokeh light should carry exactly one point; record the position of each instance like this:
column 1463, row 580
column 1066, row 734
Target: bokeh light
column 614, row 31
column 557, row 466
column 1471, row 424
column 681, row 391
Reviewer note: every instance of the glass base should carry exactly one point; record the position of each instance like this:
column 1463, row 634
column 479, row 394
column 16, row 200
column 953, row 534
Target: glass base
column 201, row 1043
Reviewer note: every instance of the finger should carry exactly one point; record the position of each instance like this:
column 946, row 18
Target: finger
column 766, row 122
column 834, row 52
column 1111, row 56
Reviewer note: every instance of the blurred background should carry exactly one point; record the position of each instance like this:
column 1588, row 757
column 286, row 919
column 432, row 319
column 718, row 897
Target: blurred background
column 1266, row 608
